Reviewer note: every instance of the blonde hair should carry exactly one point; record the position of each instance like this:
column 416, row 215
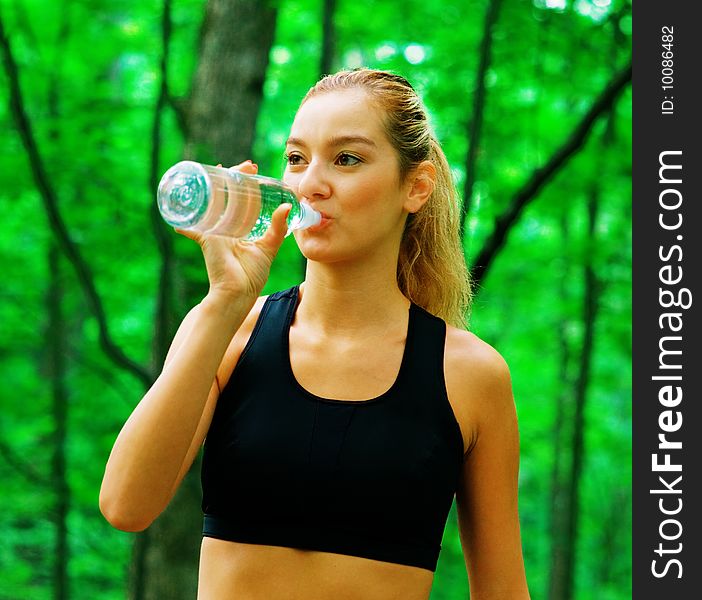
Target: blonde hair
column 431, row 270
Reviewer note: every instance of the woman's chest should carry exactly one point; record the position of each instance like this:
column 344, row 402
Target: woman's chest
column 345, row 369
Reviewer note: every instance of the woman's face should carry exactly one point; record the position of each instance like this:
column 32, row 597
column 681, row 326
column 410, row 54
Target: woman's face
column 340, row 161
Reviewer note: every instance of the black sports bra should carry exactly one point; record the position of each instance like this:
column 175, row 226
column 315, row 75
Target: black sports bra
column 371, row 478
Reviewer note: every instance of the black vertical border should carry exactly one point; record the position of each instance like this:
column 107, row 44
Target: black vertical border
column 653, row 133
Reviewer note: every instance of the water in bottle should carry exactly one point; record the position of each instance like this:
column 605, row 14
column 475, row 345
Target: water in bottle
column 226, row 202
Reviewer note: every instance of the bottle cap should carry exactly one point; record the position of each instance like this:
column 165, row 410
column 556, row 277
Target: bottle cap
column 183, row 194
column 307, row 217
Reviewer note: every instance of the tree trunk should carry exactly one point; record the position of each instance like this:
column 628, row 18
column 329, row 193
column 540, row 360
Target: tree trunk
column 228, row 89
column 562, row 583
column 165, row 556
column 557, row 512
column 475, row 124
column 164, row 317
column 57, row 348
column 578, row 445
column 221, row 118
column 609, row 534
column 56, row 373
column 616, row 505
column 328, row 54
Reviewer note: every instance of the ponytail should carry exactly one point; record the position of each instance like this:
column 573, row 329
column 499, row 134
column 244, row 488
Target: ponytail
column 431, row 270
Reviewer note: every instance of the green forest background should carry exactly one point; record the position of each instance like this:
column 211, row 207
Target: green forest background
column 532, row 101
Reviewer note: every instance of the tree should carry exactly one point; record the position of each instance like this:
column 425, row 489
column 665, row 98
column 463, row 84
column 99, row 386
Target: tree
column 220, row 118
column 98, row 98
column 506, row 220
column 476, row 116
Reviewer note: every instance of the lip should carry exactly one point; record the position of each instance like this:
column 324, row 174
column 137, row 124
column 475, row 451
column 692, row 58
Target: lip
column 326, row 219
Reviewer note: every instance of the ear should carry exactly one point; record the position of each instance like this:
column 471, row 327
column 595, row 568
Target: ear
column 421, row 186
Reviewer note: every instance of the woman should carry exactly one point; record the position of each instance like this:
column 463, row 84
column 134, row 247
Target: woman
column 341, row 415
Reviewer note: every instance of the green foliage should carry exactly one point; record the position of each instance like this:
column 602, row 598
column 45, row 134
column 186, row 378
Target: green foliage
column 89, row 73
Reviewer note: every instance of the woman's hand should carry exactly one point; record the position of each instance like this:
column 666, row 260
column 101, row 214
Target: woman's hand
column 235, row 267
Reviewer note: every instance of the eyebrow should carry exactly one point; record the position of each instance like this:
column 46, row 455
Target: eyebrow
column 339, row 140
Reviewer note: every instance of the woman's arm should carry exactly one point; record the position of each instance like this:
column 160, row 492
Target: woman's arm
column 160, row 439
column 226, row 367
column 487, row 495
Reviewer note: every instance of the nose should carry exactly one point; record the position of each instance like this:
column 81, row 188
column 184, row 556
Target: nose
column 314, row 183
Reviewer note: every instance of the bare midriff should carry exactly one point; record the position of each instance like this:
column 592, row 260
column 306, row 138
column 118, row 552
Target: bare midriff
column 237, row 571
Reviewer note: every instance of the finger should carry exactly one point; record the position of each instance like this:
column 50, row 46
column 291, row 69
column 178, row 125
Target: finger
column 248, row 167
column 189, row 233
column 275, row 235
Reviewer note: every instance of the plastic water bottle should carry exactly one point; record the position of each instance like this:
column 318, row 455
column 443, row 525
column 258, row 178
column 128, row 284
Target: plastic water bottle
column 226, row 202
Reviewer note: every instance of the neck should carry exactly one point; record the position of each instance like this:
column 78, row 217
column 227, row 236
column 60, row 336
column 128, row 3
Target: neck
column 343, row 297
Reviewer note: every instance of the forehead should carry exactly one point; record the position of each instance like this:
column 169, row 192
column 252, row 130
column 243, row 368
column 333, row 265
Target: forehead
column 338, row 113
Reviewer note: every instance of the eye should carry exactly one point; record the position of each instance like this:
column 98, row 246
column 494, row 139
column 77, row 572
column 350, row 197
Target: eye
column 347, row 160
column 293, row 159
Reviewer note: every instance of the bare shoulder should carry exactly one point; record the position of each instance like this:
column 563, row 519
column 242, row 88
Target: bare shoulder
column 473, row 360
column 478, row 382
column 238, row 343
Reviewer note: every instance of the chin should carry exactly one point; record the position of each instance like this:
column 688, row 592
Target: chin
column 319, row 249
column 319, row 254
